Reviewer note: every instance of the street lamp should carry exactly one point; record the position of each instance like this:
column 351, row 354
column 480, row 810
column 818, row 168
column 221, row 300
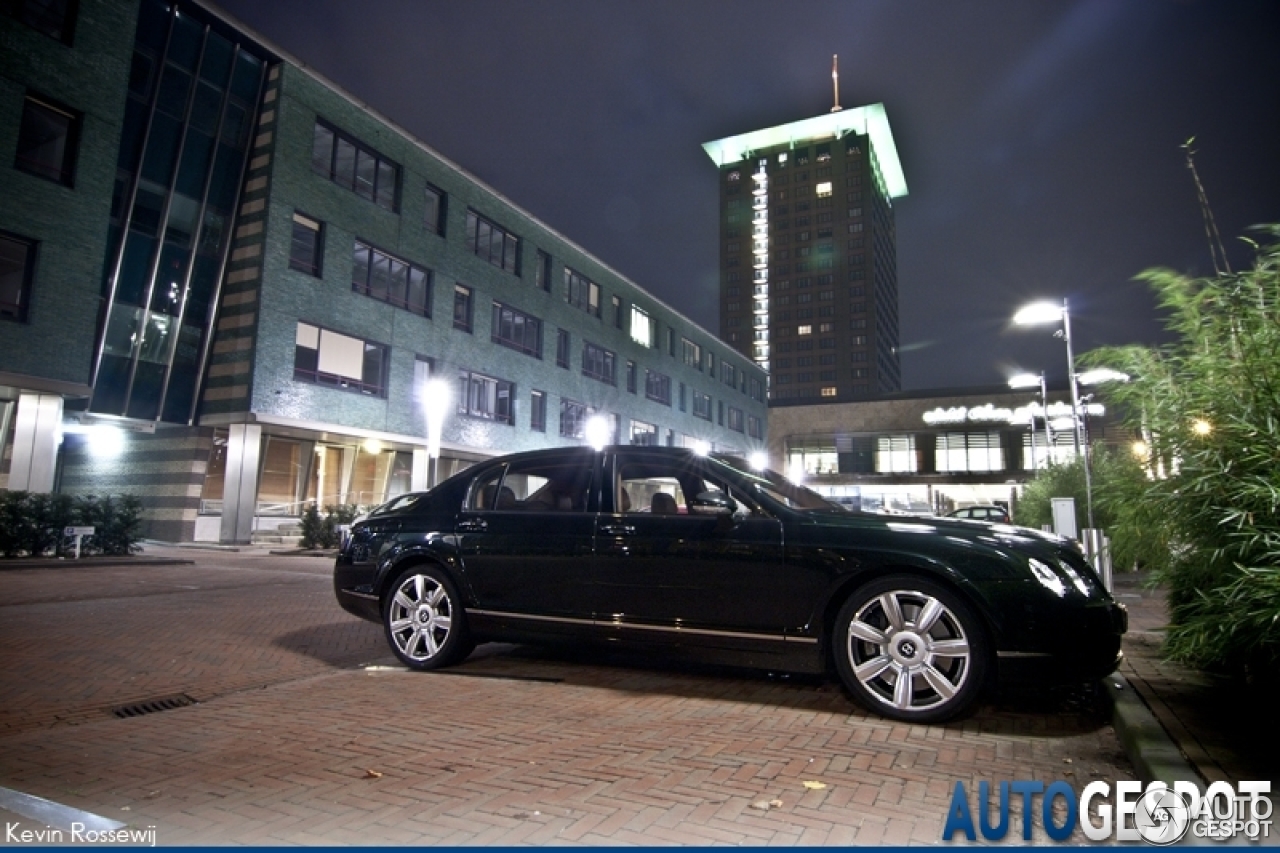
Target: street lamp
column 1031, row 380
column 1044, row 313
column 435, row 401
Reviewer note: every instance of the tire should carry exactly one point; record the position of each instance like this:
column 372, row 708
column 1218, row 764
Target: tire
column 881, row 638
column 424, row 621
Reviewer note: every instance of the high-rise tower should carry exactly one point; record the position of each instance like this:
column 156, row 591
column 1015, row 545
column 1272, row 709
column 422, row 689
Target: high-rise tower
column 808, row 254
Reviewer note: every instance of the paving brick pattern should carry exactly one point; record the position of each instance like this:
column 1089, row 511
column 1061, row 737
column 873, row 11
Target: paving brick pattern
column 306, row 732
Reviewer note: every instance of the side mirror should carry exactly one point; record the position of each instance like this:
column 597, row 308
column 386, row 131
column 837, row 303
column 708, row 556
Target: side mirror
column 713, row 503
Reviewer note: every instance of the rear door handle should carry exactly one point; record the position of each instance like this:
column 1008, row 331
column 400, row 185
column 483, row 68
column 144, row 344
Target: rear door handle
column 617, row 529
column 473, row 525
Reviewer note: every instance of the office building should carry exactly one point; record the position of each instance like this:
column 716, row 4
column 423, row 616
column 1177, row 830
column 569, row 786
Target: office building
column 808, row 258
column 225, row 284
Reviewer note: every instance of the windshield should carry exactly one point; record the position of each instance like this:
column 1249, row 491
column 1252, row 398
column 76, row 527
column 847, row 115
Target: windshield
column 778, row 487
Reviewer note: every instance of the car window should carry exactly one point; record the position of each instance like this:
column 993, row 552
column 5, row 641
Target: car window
column 533, row 486
column 665, row 487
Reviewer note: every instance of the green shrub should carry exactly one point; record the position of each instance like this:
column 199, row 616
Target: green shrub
column 33, row 524
column 1209, row 405
column 322, row 531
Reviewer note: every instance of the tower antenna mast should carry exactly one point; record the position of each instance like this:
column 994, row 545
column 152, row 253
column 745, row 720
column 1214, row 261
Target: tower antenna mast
column 835, row 81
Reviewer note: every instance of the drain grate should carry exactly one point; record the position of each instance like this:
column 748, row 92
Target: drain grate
column 151, row 706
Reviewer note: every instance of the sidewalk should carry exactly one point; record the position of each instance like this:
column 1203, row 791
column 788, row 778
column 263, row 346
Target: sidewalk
column 1223, row 733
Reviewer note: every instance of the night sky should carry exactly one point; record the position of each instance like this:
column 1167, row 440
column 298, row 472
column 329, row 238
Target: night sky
column 1041, row 141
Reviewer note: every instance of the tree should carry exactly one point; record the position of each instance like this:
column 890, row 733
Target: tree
column 1208, row 406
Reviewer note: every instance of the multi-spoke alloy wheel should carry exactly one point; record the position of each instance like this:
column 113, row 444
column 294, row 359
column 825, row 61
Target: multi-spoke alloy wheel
column 910, row 649
column 425, row 625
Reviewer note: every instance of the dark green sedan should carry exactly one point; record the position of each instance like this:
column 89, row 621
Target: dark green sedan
column 663, row 549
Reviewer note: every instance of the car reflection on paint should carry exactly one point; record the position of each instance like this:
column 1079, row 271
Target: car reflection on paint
column 664, row 549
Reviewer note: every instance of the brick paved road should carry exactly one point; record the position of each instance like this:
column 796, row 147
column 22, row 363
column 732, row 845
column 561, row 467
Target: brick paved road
column 306, row 732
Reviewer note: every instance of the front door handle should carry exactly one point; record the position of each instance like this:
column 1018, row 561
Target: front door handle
column 473, row 525
column 617, row 529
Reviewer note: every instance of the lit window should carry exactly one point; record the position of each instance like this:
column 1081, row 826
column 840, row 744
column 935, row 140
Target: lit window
column 824, row 189
column 804, row 330
column 828, row 391
column 330, row 358
column 485, row 397
column 641, row 327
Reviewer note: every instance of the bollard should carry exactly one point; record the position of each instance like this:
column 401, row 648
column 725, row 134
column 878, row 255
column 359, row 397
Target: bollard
column 1097, row 550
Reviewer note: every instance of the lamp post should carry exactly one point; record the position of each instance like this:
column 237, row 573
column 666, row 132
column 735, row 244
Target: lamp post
column 1042, row 313
column 1031, row 380
column 435, row 402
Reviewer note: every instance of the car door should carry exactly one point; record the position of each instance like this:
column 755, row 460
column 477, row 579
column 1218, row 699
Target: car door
column 525, row 536
column 662, row 561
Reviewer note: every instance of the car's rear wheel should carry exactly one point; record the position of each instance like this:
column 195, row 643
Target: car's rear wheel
column 424, row 620
column 911, row 649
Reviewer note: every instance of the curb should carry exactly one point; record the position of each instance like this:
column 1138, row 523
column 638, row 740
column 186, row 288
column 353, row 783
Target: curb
column 1153, row 753
column 90, row 562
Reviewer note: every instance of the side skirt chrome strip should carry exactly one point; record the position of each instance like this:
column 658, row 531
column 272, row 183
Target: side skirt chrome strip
column 635, row 626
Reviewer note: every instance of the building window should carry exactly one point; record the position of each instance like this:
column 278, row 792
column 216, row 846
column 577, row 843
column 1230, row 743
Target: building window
column 542, row 272
column 692, row 353
column 599, row 363
column 538, row 411
column 684, row 403
column 616, row 302
column 581, row 292
column 631, row 376
column 562, row 348
column 54, row 18
column 644, row 434
column 753, row 427
column 353, row 165
column 306, row 247
column 485, row 397
column 960, row 452
column 340, row 361
column 462, row 307
column 380, row 276
column 702, row 405
column 804, row 330
column 573, row 418
column 643, row 330
column 657, row 387
column 17, row 268
column 824, row 189
column 728, row 374
column 671, row 342
column 895, row 454
column 735, row 419
column 828, row 391
column 517, row 330
column 437, row 208
column 493, row 243
column 423, row 368
column 47, row 141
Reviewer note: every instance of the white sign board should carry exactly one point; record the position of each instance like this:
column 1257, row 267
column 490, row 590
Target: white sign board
column 1064, row 517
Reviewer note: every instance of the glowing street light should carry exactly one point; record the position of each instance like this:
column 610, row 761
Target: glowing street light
column 598, row 430
column 1031, row 380
column 759, row 460
column 1047, row 313
column 436, row 397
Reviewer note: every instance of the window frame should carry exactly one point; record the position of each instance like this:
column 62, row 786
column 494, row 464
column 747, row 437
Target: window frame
column 467, row 296
column 496, row 414
column 367, row 289
column 20, row 311
column 436, row 213
column 315, row 266
column 332, row 171
column 599, row 363
column 582, row 293
column 509, row 243
column 36, row 106
column 315, row 376
column 527, row 321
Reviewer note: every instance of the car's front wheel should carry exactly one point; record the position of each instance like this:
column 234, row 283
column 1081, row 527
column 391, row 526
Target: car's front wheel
column 910, row 649
column 424, row 620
